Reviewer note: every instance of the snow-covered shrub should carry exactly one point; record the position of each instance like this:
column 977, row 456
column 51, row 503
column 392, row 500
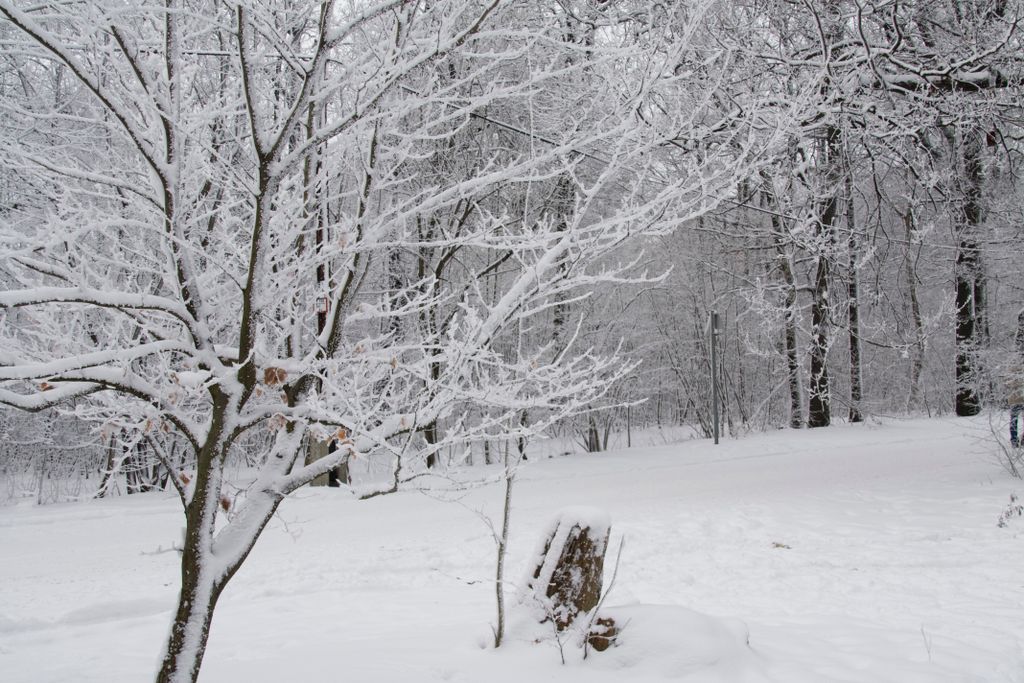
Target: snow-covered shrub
column 1014, row 509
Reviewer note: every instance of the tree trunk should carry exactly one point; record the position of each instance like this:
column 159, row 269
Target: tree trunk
column 854, row 308
column 917, row 360
column 339, row 475
column 430, row 435
column 1018, row 339
column 524, row 419
column 796, row 420
column 969, row 281
column 186, row 644
column 109, row 470
column 789, row 306
column 204, row 575
column 315, row 450
column 563, row 203
column 819, row 412
column 499, row 572
column 967, row 400
column 201, row 584
column 591, row 436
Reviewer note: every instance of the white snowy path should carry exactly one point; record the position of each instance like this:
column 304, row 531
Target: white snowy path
column 893, row 569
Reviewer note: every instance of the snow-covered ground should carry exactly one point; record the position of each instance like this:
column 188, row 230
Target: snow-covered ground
column 859, row 553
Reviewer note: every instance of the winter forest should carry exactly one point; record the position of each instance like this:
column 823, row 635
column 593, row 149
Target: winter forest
column 351, row 252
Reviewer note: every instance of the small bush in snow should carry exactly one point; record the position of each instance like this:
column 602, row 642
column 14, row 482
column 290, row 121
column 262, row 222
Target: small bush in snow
column 1014, row 509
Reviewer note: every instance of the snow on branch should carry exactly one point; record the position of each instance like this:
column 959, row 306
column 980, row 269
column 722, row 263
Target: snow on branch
column 57, row 47
column 55, row 369
column 51, row 397
column 96, row 297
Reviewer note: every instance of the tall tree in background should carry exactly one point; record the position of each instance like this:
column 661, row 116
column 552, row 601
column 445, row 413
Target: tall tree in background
column 953, row 58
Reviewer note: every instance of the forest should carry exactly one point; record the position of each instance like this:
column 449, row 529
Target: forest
column 249, row 246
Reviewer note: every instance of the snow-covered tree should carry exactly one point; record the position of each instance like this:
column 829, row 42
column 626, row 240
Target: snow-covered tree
column 873, row 237
column 206, row 197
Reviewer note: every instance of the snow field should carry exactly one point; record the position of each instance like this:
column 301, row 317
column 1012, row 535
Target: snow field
column 852, row 554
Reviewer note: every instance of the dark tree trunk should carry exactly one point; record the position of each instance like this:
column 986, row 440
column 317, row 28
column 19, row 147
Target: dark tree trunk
column 488, row 460
column 967, row 399
column 969, row 281
column 201, row 585
column 819, row 412
column 1018, row 339
column 186, row 644
column 796, row 420
column 592, row 438
column 204, row 575
column 524, row 419
column 856, row 392
column 339, row 475
column 563, row 203
column 430, row 435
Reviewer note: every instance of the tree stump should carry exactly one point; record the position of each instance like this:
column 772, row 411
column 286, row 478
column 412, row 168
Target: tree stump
column 603, row 634
column 315, row 450
column 568, row 570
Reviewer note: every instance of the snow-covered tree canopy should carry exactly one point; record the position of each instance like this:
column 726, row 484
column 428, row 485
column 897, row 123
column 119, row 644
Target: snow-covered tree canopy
column 336, row 221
